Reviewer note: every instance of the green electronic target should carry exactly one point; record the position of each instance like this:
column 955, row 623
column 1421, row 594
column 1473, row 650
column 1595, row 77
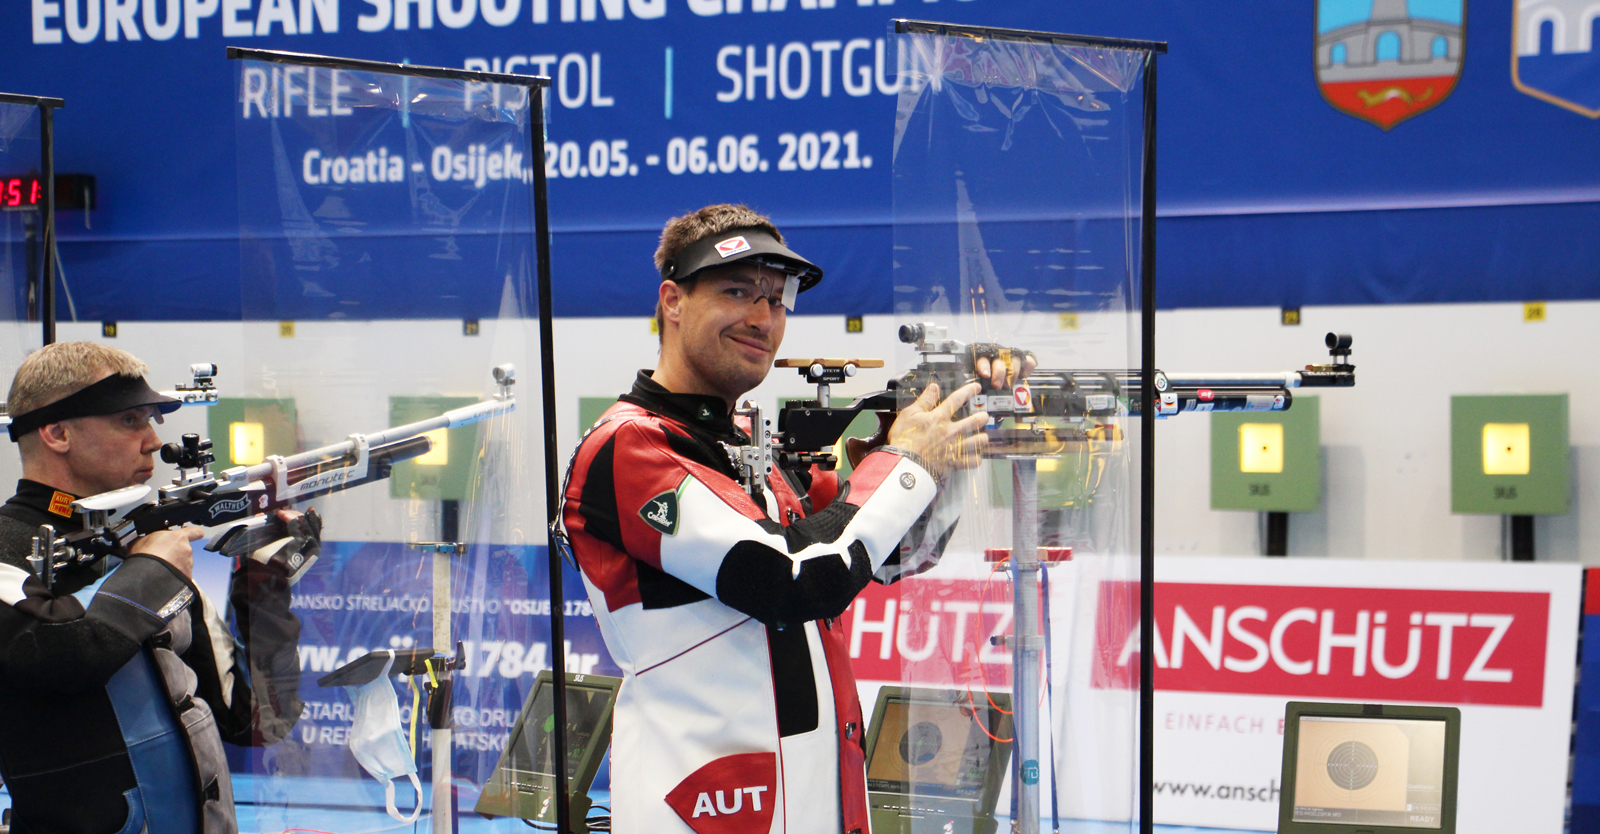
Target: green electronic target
column 444, row 472
column 1509, row 455
column 1268, row 461
column 589, row 411
column 245, row 430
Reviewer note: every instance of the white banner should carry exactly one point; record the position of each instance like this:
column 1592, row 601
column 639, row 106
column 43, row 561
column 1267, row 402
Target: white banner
column 1239, row 637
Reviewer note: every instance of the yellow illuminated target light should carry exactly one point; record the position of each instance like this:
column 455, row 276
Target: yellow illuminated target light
column 1505, row 448
column 1261, row 447
column 439, row 455
column 246, row 443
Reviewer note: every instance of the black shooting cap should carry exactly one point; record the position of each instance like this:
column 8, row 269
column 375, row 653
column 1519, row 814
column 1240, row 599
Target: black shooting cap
column 734, row 245
column 115, row 393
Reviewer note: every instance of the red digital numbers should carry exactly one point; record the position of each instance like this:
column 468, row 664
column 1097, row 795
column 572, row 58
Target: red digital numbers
column 21, row 192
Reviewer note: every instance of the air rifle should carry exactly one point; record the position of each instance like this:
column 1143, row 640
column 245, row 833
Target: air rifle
column 1076, row 405
column 243, row 497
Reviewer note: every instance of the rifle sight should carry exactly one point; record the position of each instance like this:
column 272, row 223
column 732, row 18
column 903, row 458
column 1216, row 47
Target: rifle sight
column 193, row 453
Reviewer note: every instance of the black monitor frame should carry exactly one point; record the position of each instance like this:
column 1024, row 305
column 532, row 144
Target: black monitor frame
column 999, row 753
column 499, row 798
column 1295, row 710
column 366, row 668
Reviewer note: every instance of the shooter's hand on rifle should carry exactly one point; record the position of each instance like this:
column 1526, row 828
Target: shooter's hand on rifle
column 997, row 369
column 171, row 546
column 927, row 428
column 1001, row 368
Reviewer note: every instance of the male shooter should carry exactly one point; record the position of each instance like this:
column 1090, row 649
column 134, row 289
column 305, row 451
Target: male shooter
column 719, row 604
column 117, row 690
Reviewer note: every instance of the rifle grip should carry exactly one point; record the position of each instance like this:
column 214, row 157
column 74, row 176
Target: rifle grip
column 856, row 448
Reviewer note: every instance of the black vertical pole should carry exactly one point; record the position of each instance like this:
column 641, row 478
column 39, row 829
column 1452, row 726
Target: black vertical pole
column 1147, row 457
column 47, row 159
column 31, row 232
column 552, row 477
column 450, row 520
column 1522, row 538
column 1277, row 534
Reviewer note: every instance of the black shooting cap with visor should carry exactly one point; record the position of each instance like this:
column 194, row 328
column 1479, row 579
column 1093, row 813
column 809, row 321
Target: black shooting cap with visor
column 114, row 394
column 742, row 244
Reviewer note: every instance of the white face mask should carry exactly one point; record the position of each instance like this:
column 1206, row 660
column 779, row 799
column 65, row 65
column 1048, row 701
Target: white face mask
column 379, row 742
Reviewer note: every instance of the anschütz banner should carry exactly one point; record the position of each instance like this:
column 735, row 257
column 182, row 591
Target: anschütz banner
column 1238, row 637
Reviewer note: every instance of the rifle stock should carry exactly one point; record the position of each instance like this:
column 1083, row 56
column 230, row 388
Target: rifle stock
column 856, row 448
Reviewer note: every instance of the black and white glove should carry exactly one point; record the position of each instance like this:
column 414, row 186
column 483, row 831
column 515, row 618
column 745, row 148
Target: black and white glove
column 1000, row 367
column 300, row 545
column 287, row 539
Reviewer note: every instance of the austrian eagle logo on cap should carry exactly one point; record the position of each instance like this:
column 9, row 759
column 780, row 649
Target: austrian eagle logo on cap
column 733, row 246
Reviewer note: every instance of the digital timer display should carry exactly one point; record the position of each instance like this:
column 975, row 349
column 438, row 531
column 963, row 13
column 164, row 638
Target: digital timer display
column 73, row 191
column 21, row 193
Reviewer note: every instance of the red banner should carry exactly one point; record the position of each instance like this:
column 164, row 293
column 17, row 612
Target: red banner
column 1375, row 644
column 931, row 632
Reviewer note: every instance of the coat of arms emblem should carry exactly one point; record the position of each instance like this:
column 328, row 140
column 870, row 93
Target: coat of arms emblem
column 1388, row 60
column 1555, row 53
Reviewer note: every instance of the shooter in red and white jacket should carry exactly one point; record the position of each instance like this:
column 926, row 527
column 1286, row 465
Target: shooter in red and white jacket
column 738, row 710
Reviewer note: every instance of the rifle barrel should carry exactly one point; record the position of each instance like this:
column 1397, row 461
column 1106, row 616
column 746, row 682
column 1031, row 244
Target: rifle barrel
column 403, row 449
column 1285, row 379
column 450, row 419
column 463, row 416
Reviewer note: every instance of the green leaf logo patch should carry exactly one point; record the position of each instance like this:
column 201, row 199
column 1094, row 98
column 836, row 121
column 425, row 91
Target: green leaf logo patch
column 661, row 512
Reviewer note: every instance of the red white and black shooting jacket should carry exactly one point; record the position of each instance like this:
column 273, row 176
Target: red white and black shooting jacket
column 738, row 710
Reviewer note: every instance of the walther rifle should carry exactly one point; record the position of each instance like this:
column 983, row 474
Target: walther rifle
column 244, row 497
column 1077, row 405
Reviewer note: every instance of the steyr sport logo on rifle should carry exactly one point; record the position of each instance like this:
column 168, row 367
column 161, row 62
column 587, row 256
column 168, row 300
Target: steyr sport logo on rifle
column 661, row 512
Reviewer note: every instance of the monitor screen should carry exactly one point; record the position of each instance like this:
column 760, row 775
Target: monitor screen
column 533, row 753
column 935, row 749
column 523, row 782
column 1370, row 770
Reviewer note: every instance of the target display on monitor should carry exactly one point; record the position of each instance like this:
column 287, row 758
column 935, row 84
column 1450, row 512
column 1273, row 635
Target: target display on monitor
column 1375, row 766
column 936, row 759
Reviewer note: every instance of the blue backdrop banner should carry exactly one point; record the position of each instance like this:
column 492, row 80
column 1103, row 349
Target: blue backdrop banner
column 1276, row 187
column 366, row 596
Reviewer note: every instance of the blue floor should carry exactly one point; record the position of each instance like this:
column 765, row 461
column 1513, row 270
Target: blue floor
column 341, row 806
column 274, row 818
